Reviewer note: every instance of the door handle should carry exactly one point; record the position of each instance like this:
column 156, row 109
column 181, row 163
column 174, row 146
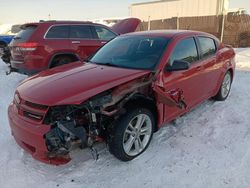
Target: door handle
column 75, row 42
column 103, row 42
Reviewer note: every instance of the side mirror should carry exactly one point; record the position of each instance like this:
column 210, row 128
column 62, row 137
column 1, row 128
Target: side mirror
column 178, row 65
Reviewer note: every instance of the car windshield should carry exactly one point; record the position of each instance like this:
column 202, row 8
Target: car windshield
column 134, row 52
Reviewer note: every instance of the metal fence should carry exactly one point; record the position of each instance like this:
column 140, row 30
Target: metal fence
column 236, row 27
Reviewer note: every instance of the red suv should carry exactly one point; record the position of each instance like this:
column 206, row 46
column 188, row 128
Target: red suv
column 47, row 44
column 131, row 87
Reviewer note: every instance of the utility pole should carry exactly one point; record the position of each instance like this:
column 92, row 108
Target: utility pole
column 224, row 13
column 149, row 24
column 177, row 22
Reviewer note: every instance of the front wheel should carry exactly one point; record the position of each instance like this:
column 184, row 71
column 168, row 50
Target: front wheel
column 132, row 134
column 225, row 88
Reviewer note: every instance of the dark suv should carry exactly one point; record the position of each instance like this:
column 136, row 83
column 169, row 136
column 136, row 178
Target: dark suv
column 47, row 44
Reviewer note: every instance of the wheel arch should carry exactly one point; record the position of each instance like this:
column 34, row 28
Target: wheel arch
column 74, row 57
column 231, row 72
column 140, row 100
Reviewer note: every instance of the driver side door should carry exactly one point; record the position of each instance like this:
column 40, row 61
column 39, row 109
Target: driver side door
column 185, row 88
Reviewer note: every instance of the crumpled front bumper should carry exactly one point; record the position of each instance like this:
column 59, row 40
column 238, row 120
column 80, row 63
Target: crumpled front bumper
column 30, row 137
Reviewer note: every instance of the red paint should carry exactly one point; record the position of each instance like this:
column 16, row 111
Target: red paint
column 37, row 52
column 75, row 83
column 122, row 26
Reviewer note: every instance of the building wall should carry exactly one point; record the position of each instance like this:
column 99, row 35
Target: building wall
column 176, row 8
column 236, row 30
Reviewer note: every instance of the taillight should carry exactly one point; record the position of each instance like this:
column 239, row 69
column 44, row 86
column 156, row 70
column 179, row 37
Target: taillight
column 28, row 46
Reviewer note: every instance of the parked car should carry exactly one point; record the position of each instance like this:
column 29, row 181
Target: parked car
column 130, row 88
column 7, row 34
column 5, row 40
column 47, row 44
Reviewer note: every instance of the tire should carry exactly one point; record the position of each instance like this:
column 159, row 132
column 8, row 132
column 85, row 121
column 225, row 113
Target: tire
column 62, row 60
column 224, row 88
column 127, row 141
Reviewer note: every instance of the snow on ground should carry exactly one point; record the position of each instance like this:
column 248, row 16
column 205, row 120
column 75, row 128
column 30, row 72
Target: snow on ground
column 208, row 147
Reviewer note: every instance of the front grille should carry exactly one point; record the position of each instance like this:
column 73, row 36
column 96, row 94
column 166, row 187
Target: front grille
column 38, row 106
column 32, row 111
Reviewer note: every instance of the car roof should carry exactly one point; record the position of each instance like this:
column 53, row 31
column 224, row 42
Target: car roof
column 51, row 23
column 62, row 21
column 55, row 22
column 168, row 33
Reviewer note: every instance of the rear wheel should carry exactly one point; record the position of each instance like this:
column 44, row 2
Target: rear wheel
column 61, row 60
column 132, row 134
column 225, row 87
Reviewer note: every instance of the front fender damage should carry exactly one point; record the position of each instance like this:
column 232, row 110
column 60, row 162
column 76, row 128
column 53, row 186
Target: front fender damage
column 91, row 121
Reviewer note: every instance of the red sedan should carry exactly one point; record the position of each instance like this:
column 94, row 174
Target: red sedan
column 129, row 89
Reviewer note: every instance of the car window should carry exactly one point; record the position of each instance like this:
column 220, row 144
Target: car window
column 25, row 33
column 134, row 52
column 15, row 29
column 58, row 32
column 185, row 50
column 207, row 46
column 103, row 33
column 80, row 32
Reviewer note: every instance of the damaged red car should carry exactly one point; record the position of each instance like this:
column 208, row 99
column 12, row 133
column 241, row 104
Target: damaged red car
column 122, row 95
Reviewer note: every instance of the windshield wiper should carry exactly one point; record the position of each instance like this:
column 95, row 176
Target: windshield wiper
column 109, row 64
column 105, row 64
column 89, row 61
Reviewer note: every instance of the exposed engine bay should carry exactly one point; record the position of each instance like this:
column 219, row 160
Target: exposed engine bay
column 76, row 124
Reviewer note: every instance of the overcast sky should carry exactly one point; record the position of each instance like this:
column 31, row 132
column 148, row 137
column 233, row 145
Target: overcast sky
column 19, row 11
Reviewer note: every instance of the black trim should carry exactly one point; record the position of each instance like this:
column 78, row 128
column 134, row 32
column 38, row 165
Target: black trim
column 197, row 43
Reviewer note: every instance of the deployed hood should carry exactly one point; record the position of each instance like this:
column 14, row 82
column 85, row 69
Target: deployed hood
column 74, row 83
column 126, row 26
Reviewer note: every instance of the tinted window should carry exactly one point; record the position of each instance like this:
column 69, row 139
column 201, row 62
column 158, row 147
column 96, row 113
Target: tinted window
column 15, row 29
column 185, row 50
column 25, row 33
column 58, row 32
column 207, row 46
column 132, row 52
column 104, row 34
column 80, row 32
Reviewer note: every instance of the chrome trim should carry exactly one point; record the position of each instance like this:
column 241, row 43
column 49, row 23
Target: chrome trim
column 75, row 42
column 16, row 62
column 44, row 36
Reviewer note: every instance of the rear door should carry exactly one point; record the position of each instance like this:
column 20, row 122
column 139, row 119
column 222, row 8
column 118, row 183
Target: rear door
column 184, row 88
column 56, row 39
column 83, row 41
column 211, row 69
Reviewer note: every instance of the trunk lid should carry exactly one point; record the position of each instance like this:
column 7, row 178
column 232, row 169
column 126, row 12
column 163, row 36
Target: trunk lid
column 126, row 26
